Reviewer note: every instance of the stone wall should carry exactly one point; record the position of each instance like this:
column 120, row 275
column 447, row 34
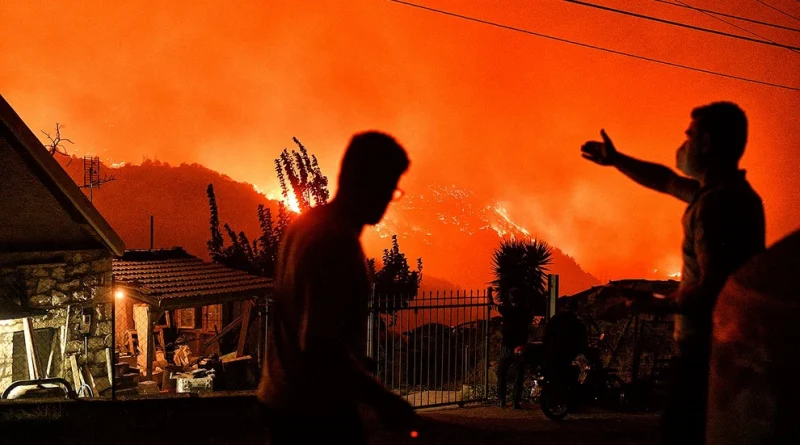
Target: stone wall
column 63, row 283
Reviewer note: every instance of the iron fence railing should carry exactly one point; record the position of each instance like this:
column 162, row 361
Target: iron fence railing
column 432, row 349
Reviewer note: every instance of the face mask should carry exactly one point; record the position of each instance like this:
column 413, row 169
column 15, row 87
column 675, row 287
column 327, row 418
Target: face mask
column 682, row 161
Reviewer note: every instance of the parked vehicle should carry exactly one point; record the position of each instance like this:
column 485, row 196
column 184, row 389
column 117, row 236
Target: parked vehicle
column 585, row 382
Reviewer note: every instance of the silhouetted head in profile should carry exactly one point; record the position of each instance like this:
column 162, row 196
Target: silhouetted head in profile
column 371, row 168
column 715, row 141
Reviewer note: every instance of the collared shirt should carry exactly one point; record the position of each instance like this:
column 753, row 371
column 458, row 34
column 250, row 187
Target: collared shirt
column 723, row 227
column 318, row 317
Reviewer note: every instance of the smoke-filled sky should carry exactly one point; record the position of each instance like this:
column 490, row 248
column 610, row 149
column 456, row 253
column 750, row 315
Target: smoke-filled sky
column 228, row 84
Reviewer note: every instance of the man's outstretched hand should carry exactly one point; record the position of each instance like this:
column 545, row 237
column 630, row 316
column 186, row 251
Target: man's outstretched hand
column 602, row 153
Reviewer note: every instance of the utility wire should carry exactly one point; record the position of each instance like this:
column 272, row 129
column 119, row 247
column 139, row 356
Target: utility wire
column 781, row 11
column 599, row 48
column 734, row 25
column 684, row 25
column 745, row 19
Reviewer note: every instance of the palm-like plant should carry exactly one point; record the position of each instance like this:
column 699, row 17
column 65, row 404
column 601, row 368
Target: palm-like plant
column 522, row 264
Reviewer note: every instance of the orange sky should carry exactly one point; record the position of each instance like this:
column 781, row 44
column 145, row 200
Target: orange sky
column 492, row 110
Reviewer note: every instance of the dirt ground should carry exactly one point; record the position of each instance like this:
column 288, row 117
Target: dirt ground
column 238, row 421
column 493, row 425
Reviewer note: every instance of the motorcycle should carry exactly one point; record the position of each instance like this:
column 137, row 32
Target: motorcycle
column 561, row 390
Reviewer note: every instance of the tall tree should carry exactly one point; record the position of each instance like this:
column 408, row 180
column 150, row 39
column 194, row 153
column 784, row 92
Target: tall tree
column 522, row 264
column 306, row 183
column 215, row 244
column 395, row 283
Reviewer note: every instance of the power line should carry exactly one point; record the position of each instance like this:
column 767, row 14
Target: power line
column 599, row 48
column 733, row 24
column 745, row 19
column 782, row 12
column 683, row 25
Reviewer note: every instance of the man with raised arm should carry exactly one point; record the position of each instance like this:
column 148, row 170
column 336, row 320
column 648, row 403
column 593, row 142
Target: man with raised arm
column 723, row 227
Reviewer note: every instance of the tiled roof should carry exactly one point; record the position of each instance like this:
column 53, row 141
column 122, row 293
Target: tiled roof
column 173, row 279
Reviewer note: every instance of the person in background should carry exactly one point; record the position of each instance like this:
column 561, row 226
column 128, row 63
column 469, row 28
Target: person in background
column 517, row 318
column 565, row 337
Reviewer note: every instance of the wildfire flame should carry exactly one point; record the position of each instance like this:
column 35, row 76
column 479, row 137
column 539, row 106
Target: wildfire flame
column 503, row 213
column 276, row 195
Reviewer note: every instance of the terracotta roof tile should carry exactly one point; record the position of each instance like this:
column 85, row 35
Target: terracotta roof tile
column 171, row 278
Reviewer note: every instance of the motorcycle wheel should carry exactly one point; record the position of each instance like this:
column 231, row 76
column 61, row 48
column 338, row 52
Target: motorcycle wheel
column 554, row 401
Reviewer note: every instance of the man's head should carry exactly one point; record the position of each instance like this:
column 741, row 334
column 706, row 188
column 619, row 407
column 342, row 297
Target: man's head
column 566, row 304
column 371, row 168
column 715, row 139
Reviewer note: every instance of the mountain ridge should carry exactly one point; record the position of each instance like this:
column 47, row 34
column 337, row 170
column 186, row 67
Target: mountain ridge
column 452, row 230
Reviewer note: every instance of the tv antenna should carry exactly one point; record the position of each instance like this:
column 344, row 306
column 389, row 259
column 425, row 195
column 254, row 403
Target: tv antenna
column 91, row 175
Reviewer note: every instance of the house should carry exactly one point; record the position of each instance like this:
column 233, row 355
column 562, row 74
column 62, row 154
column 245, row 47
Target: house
column 168, row 297
column 56, row 254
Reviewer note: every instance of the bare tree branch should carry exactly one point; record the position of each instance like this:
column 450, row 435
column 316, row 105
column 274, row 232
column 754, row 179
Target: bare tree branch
column 55, row 143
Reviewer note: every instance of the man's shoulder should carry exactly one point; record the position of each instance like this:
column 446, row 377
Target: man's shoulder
column 320, row 230
column 730, row 198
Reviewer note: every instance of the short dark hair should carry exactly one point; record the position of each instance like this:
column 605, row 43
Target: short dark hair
column 726, row 123
column 372, row 158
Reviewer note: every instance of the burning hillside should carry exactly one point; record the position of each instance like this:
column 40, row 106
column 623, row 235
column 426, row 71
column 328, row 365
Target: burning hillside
column 452, row 229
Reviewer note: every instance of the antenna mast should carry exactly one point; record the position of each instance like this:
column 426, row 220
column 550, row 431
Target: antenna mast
column 91, row 175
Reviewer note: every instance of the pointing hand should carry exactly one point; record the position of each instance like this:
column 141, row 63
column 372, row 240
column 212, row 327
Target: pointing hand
column 602, row 153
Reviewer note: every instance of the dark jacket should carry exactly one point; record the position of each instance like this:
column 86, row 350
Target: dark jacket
column 516, row 321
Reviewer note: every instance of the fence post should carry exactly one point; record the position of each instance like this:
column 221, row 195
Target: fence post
column 112, row 378
column 489, row 301
column 151, row 343
column 552, row 284
column 371, row 323
column 267, row 306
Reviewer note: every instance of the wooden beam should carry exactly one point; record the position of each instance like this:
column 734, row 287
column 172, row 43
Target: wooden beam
column 30, row 350
column 232, row 325
column 247, row 311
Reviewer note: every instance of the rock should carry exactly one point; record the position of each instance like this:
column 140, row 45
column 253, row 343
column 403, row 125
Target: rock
column 74, row 346
column 96, row 343
column 80, row 269
column 58, row 273
column 60, row 298
column 103, row 328
column 45, row 285
column 81, row 296
column 41, row 300
column 40, row 272
column 68, row 285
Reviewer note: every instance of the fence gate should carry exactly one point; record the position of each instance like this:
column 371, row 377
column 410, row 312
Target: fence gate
column 433, row 349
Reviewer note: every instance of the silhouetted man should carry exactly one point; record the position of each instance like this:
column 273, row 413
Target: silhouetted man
column 314, row 378
column 565, row 337
column 517, row 318
column 723, row 227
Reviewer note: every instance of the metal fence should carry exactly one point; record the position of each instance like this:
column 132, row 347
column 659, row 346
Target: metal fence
column 432, row 349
